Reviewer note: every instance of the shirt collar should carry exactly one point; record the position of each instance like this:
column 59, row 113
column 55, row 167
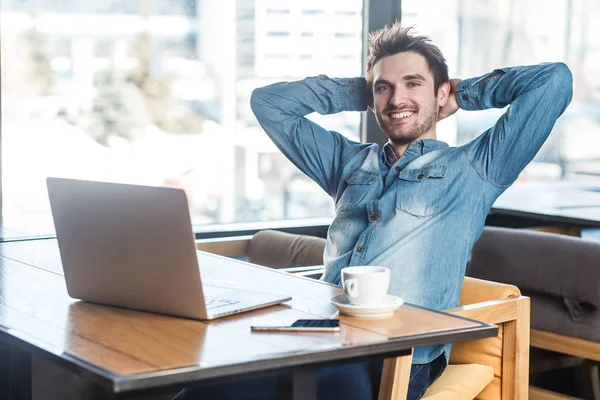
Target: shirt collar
column 417, row 147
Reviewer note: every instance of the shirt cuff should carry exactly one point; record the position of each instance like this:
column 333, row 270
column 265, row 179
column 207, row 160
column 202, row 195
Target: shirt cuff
column 351, row 93
column 469, row 92
column 467, row 95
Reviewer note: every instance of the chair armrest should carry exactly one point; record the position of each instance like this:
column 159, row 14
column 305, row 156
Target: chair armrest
column 514, row 315
column 493, row 311
column 477, row 291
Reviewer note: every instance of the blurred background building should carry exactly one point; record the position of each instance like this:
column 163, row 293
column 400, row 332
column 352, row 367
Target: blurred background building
column 157, row 91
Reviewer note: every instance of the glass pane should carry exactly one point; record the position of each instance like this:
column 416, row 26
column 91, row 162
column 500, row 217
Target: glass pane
column 157, row 92
column 478, row 36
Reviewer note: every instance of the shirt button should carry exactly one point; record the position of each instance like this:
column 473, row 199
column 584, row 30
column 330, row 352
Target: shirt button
column 360, row 249
column 397, row 168
column 352, row 91
column 374, row 218
column 465, row 97
column 351, row 81
column 420, row 177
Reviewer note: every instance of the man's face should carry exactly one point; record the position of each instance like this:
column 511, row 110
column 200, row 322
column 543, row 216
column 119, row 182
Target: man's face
column 405, row 103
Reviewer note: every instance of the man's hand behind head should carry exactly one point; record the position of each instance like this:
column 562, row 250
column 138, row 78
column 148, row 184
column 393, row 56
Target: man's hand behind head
column 451, row 105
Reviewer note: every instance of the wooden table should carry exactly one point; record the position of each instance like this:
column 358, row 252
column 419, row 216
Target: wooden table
column 130, row 353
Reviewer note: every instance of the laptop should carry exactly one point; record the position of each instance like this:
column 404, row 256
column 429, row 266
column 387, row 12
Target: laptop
column 133, row 246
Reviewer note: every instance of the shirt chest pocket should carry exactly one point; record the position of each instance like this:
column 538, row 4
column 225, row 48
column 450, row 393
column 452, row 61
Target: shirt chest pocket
column 422, row 192
column 358, row 184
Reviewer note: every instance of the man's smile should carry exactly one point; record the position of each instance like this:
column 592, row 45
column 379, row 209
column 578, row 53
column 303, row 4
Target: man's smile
column 401, row 115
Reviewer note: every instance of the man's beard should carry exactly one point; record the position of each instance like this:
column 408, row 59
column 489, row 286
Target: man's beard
column 411, row 132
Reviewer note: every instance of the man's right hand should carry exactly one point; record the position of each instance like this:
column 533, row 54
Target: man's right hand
column 451, row 105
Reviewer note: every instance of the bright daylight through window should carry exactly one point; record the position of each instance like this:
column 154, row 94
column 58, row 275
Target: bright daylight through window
column 477, row 36
column 157, row 92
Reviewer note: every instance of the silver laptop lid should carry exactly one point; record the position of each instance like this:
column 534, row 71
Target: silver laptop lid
column 127, row 245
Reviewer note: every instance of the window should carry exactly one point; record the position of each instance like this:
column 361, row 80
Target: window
column 157, row 92
column 345, row 35
column 312, row 12
column 278, row 56
column 247, row 15
column 345, row 56
column 272, row 11
column 477, row 39
column 344, row 13
column 278, row 34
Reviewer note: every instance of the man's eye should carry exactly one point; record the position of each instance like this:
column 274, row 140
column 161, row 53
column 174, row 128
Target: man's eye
column 382, row 88
column 413, row 84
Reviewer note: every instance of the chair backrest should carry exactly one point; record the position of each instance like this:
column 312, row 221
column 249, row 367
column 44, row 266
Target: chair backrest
column 277, row 249
column 540, row 262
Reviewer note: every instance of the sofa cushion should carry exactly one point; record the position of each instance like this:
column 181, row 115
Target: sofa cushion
column 541, row 263
column 277, row 249
column 549, row 313
column 460, row 382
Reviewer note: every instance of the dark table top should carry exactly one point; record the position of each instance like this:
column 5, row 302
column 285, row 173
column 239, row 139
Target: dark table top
column 572, row 203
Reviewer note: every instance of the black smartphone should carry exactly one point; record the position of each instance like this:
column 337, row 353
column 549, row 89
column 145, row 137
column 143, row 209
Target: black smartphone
column 303, row 325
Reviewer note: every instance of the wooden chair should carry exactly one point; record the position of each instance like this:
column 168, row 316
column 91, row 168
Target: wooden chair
column 507, row 354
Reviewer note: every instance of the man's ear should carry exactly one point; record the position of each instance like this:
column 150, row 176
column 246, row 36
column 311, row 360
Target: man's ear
column 443, row 94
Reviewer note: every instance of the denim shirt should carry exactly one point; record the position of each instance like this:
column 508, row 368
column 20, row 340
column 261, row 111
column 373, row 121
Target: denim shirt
column 421, row 215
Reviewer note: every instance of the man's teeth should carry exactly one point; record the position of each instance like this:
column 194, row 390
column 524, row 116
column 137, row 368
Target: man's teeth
column 405, row 114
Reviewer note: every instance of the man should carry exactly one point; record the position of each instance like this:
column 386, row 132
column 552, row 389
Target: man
column 417, row 206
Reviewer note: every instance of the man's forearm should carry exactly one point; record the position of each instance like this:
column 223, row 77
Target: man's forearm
column 316, row 94
column 503, row 86
column 281, row 109
column 537, row 95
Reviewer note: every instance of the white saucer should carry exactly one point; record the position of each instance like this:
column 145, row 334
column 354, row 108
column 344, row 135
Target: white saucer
column 389, row 306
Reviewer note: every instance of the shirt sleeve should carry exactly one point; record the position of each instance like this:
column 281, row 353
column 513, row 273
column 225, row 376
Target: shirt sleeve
column 281, row 110
column 537, row 96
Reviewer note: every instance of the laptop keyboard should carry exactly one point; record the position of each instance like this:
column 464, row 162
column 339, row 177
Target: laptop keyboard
column 215, row 302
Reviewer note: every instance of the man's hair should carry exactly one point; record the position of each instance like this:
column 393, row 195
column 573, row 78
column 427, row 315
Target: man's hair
column 394, row 39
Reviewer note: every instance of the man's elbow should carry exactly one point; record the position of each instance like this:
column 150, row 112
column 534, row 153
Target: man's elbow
column 562, row 81
column 257, row 100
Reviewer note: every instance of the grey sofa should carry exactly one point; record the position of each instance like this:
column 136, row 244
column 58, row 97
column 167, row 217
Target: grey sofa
column 561, row 275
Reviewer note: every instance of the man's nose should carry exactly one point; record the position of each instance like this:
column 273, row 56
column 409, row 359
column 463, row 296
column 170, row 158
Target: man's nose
column 398, row 98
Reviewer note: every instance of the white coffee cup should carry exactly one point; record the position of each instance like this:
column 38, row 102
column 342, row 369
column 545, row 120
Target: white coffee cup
column 366, row 286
